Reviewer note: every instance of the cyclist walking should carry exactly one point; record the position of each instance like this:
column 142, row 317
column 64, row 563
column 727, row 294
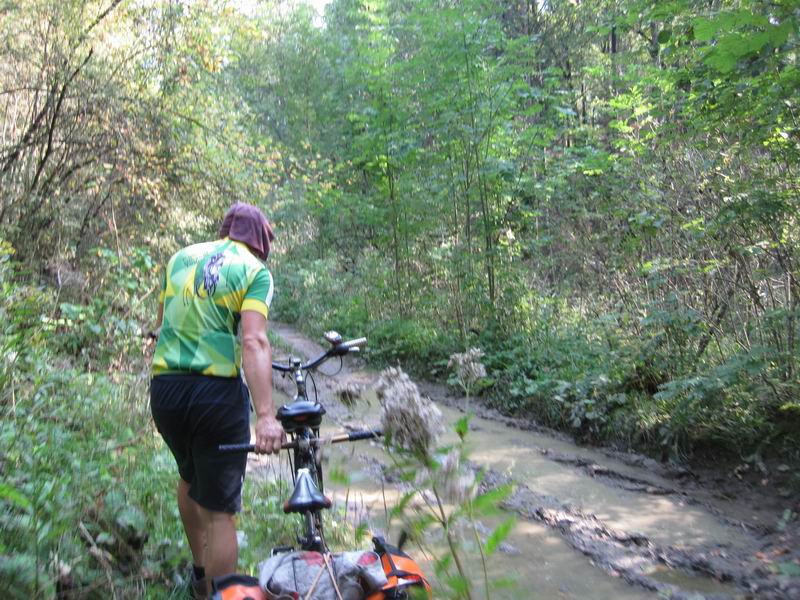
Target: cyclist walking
column 212, row 318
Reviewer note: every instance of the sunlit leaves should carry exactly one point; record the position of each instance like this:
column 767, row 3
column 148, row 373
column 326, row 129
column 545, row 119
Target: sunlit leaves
column 738, row 34
column 489, row 501
column 11, row 494
column 500, row 533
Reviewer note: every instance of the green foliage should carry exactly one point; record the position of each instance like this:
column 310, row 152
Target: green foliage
column 78, row 455
column 88, row 496
column 109, row 324
column 306, row 295
column 600, row 195
column 442, row 513
column 408, row 342
column 499, row 534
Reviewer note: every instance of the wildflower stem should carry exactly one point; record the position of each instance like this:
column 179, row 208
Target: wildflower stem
column 480, row 549
column 451, row 543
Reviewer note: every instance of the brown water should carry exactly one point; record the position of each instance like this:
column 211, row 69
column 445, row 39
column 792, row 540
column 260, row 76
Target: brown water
column 537, row 559
column 537, row 562
column 516, row 453
column 542, row 560
column 664, row 519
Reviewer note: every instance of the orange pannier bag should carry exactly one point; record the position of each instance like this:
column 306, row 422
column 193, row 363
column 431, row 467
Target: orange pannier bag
column 236, row 587
column 404, row 574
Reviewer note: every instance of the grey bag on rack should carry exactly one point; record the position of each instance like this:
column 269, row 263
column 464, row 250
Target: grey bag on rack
column 292, row 574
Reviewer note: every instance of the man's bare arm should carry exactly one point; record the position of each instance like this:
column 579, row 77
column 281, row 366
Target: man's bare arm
column 257, row 363
column 151, row 337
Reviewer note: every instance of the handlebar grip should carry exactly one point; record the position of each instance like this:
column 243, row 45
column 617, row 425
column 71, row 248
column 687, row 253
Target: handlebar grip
column 367, row 434
column 232, row 448
column 354, row 343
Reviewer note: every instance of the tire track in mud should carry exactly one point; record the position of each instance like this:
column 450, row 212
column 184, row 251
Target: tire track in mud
column 643, row 486
column 632, row 556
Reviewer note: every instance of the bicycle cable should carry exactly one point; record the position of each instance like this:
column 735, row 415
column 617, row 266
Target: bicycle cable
column 310, row 375
column 291, row 467
column 341, row 366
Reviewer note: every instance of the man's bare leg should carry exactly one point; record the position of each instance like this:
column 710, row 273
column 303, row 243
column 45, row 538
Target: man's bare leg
column 193, row 525
column 222, row 547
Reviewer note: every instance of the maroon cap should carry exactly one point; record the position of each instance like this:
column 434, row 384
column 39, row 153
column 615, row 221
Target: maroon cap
column 246, row 223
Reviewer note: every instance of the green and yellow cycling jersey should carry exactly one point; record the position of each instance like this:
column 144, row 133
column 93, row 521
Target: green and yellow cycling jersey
column 205, row 289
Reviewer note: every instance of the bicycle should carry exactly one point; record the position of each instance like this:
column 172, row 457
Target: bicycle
column 301, row 420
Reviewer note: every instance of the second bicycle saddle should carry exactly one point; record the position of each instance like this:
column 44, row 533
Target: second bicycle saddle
column 306, row 497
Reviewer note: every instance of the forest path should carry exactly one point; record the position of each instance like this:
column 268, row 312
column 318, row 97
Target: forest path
column 592, row 523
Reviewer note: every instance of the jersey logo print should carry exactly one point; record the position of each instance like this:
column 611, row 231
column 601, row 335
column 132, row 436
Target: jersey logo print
column 210, row 276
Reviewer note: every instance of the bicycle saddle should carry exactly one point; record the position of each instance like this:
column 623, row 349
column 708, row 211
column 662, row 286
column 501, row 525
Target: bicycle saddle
column 306, row 496
column 302, row 413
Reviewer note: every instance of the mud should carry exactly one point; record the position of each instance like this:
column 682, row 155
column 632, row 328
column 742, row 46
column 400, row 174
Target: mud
column 639, row 561
column 622, row 525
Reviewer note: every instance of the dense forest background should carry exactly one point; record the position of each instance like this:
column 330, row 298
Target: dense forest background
column 602, row 195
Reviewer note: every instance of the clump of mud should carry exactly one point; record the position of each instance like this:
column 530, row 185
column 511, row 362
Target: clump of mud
column 348, row 393
column 411, row 421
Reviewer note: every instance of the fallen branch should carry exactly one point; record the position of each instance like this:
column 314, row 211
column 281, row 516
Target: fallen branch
column 100, row 555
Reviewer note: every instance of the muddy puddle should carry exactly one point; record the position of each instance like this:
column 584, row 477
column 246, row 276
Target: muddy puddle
column 589, row 525
column 519, row 455
column 536, row 556
column 532, row 558
column 663, row 519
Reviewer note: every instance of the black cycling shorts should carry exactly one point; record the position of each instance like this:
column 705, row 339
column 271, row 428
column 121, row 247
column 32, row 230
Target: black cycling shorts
column 194, row 414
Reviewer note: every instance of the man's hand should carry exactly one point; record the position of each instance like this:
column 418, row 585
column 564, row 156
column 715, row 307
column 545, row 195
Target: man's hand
column 269, row 435
column 150, row 341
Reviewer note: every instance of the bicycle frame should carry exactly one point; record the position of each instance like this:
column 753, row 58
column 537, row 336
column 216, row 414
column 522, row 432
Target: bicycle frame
column 301, row 420
column 304, row 454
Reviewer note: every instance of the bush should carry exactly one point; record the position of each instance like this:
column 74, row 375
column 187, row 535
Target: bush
column 107, row 326
column 316, row 297
column 85, row 483
column 87, row 499
column 420, row 347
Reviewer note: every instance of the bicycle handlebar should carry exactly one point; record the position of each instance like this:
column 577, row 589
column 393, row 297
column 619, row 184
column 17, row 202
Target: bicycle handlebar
column 338, row 350
column 353, row 436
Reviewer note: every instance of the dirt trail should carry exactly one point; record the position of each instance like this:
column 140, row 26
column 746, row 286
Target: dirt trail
column 593, row 523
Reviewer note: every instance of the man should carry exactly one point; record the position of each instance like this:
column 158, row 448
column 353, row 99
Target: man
column 210, row 291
